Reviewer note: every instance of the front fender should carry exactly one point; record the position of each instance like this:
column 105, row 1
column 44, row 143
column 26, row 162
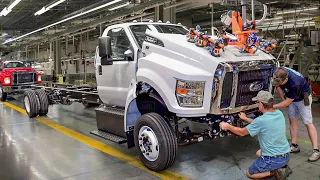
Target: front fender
column 162, row 72
column 131, row 110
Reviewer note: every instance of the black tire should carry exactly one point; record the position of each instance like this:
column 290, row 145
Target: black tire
column 168, row 145
column 44, row 102
column 3, row 95
column 33, row 104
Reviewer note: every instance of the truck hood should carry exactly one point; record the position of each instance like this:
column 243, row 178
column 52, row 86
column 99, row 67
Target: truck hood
column 177, row 46
column 11, row 70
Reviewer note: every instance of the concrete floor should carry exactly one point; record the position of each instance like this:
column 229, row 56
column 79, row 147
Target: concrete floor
column 30, row 149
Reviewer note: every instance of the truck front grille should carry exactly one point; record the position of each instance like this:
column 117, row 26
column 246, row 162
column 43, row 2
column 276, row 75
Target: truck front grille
column 246, row 79
column 24, row 77
column 256, row 79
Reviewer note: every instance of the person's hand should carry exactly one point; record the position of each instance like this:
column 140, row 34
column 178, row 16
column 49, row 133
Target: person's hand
column 224, row 126
column 242, row 115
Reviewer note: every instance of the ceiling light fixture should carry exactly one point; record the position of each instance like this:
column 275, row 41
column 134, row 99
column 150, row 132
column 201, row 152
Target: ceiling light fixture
column 5, row 11
column 45, row 9
column 64, row 20
column 120, row 6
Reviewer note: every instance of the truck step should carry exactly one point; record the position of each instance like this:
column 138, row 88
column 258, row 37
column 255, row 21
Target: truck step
column 112, row 110
column 111, row 120
column 109, row 136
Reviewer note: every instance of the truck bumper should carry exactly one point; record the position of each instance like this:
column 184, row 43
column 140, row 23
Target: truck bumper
column 15, row 89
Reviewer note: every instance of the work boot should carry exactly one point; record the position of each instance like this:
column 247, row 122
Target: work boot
column 289, row 171
column 315, row 156
column 281, row 174
column 294, row 149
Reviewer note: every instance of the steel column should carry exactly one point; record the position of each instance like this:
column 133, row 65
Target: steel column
column 57, row 57
column 158, row 13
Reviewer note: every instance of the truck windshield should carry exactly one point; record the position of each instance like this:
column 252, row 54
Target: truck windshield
column 140, row 30
column 168, row 29
column 16, row 64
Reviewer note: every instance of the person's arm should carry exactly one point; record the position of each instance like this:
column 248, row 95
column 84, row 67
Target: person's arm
column 280, row 92
column 244, row 117
column 236, row 130
column 283, row 104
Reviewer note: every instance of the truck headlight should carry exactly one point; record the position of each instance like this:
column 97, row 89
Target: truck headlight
column 190, row 93
column 39, row 78
column 6, row 80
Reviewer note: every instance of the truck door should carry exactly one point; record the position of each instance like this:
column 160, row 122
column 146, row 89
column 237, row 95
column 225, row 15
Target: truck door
column 113, row 79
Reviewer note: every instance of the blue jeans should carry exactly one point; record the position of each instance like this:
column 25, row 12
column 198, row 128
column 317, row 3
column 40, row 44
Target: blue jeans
column 268, row 163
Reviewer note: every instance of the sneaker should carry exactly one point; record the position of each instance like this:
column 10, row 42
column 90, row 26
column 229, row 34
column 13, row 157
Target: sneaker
column 281, row 174
column 315, row 156
column 294, row 149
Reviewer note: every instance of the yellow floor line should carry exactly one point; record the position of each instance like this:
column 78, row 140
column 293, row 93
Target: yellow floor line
column 166, row 175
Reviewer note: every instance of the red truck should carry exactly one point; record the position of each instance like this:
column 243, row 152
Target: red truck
column 15, row 76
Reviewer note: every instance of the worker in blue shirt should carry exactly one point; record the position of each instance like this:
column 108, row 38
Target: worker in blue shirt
column 270, row 128
column 297, row 96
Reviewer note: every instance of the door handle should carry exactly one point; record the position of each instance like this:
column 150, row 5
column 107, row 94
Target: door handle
column 100, row 69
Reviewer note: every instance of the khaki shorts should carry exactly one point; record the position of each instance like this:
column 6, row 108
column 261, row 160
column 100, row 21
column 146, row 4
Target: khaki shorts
column 296, row 108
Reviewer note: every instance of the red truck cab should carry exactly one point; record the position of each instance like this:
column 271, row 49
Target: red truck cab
column 16, row 75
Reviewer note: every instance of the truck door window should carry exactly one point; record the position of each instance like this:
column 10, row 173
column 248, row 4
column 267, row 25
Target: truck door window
column 139, row 33
column 119, row 43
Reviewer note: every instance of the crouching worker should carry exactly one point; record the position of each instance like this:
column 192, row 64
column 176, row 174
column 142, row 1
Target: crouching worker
column 270, row 128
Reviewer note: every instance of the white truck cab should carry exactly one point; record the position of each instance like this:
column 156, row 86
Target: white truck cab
column 149, row 77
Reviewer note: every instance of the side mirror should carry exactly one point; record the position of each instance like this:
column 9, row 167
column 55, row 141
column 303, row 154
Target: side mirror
column 105, row 46
column 128, row 54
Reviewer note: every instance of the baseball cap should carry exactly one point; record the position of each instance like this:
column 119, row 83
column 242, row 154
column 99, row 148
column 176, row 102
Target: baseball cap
column 263, row 96
column 279, row 76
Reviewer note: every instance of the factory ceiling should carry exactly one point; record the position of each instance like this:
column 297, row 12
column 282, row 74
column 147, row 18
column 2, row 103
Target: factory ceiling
column 26, row 15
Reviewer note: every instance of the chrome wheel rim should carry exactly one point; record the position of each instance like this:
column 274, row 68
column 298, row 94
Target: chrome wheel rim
column 148, row 143
column 27, row 104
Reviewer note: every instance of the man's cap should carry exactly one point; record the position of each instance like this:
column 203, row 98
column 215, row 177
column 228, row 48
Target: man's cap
column 279, row 76
column 263, row 96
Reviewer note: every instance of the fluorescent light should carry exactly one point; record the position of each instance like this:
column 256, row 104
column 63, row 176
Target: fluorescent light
column 5, row 11
column 14, row 4
column 55, row 4
column 64, row 20
column 41, row 11
column 45, row 9
column 120, row 6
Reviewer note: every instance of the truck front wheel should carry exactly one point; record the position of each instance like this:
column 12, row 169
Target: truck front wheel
column 155, row 142
column 3, row 95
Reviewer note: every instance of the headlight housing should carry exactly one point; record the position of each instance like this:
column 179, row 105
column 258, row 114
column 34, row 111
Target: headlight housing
column 39, row 78
column 190, row 93
column 6, row 80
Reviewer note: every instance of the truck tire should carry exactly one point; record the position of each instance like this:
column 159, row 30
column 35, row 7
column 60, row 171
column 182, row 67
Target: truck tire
column 44, row 102
column 31, row 103
column 152, row 132
column 3, row 95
